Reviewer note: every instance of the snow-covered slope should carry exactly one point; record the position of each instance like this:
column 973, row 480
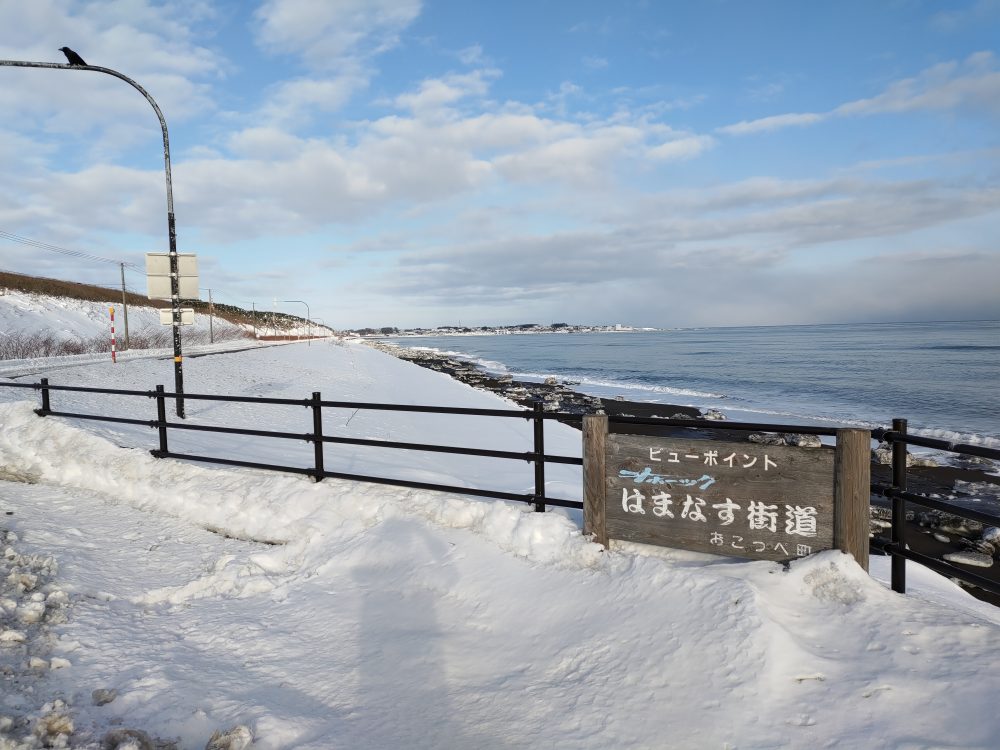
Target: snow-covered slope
column 346, row 615
column 65, row 318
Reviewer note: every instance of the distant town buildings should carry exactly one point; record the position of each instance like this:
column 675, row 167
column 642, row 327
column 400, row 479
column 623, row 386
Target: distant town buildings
column 522, row 328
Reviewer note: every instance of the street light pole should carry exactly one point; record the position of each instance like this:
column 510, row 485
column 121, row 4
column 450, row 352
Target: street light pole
column 308, row 319
column 171, row 228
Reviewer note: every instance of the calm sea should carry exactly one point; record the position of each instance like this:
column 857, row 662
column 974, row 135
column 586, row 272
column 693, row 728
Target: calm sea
column 943, row 377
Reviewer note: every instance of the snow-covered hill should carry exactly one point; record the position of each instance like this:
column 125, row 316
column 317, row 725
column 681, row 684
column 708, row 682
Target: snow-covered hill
column 348, row 615
column 81, row 320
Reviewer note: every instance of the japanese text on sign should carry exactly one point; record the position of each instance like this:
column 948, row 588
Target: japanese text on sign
column 727, row 498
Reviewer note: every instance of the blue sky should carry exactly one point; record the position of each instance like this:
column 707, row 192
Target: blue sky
column 423, row 163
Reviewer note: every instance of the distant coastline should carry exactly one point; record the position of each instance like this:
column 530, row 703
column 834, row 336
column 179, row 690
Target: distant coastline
column 512, row 330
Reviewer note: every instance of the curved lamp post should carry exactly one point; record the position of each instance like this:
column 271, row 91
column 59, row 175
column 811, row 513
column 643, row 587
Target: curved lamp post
column 171, row 230
column 308, row 320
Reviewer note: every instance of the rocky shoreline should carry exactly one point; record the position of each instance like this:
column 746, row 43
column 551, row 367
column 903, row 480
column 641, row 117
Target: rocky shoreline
column 930, row 532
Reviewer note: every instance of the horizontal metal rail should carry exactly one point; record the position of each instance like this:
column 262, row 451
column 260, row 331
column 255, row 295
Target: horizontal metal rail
column 522, row 498
column 513, row 455
column 233, row 462
column 987, row 519
column 96, row 417
column 516, row 413
column 239, row 431
column 712, row 424
column 942, row 567
column 240, row 399
column 890, row 436
column 80, row 389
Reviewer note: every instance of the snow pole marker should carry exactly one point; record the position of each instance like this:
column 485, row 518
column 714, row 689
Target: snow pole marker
column 114, row 358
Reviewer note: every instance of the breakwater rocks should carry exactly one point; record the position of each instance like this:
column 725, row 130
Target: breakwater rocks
column 554, row 395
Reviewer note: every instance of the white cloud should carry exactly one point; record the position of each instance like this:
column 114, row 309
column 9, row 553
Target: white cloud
column 584, row 159
column 337, row 40
column 682, row 148
column 438, row 92
column 323, row 33
column 261, row 143
column 775, row 122
column 733, row 239
column 293, row 103
column 973, row 84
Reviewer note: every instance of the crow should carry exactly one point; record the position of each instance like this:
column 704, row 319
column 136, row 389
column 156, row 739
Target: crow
column 74, row 59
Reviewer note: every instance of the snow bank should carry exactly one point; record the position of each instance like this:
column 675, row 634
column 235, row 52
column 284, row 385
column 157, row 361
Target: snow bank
column 266, row 507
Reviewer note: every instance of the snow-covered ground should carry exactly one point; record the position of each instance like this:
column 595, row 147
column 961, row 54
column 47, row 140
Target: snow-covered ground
column 348, row 615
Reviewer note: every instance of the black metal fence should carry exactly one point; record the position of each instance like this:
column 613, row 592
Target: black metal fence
column 896, row 546
column 897, row 437
column 316, row 404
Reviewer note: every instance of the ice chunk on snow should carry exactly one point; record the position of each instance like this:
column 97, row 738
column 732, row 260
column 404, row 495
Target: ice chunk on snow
column 977, row 559
column 236, row 738
column 12, row 636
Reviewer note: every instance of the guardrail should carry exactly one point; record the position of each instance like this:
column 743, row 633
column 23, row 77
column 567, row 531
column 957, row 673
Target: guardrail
column 897, row 437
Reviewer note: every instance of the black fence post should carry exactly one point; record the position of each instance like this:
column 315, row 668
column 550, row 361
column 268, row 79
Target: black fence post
column 46, row 406
column 317, row 438
column 161, row 421
column 539, row 425
column 898, row 505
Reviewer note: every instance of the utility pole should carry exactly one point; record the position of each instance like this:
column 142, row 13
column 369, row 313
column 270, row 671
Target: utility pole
column 171, row 226
column 211, row 318
column 254, row 304
column 124, row 304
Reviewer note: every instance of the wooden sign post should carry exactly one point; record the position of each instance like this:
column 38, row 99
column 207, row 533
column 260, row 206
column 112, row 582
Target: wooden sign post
column 749, row 500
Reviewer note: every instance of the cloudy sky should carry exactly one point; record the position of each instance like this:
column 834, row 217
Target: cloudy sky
column 399, row 162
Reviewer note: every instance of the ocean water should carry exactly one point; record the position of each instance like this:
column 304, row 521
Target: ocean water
column 943, row 377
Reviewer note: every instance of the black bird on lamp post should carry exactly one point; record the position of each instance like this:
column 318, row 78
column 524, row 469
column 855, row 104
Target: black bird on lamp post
column 74, row 59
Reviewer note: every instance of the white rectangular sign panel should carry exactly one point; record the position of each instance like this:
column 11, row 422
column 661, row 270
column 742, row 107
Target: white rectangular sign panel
column 158, row 275
column 158, row 264
column 158, row 287
column 187, row 317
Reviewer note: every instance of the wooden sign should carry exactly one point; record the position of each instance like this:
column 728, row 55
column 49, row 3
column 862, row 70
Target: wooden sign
column 749, row 500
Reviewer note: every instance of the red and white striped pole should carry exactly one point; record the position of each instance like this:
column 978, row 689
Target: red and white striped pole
column 114, row 358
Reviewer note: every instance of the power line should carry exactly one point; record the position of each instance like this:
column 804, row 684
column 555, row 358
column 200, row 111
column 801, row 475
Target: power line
column 64, row 251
